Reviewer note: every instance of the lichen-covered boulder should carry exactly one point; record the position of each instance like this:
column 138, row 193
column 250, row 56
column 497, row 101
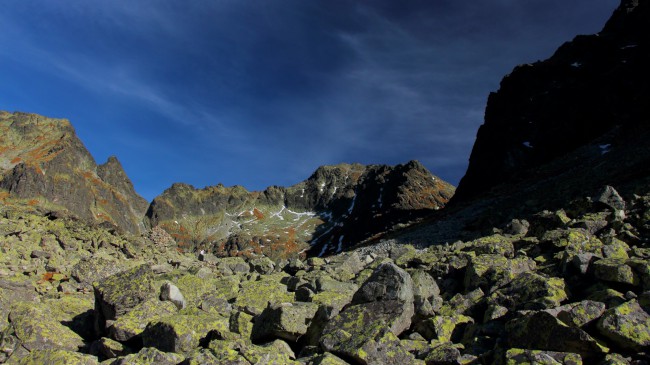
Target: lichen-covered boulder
column 254, row 296
column 443, row 328
column 195, row 288
column 392, row 286
column 136, row 320
column 57, row 356
column 232, row 265
column 206, row 357
column 182, row 333
column 119, row 293
column 241, row 323
column 616, row 271
column 443, row 354
column 426, row 293
column 531, row 291
column 360, row 334
column 108, row 348
column 578, row 314
column 542, row 331
column 263, row 265
column 38, row 329
column 229, row 352
column 487, row 271
column 524, row 356
column 496, row 244
column 276, row 352
column 97, row 268
column 345, row 266
column 367, row 329
column 641, row 267
column 149, row 356
column 286, row 321
column 326, row 359
column 627, row 325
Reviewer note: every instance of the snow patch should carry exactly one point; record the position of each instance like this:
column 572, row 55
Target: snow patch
column 527, row 144
column 604, row 148
column 321, row 236
column 629, row 46
column 352, row 205
column 322, row 252
column 340, row 246
column 322, row 186
column 576, row 64
column 277, row 214
column 302, row 193
column 381, row 195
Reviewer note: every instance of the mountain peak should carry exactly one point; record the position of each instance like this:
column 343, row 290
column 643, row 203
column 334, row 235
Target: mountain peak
column 43, row 160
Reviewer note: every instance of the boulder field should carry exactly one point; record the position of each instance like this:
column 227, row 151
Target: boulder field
column 570, row 286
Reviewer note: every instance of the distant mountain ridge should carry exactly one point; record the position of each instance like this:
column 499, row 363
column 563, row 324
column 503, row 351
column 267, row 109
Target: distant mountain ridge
column 336, row 207
column 43, row 161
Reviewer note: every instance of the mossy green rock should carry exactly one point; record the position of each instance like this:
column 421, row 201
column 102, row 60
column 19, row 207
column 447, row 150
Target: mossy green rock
column 616, row 271
column 579, row 314
column 194, row 288
column 97, row 268
column 641, row 268
column 37, row 329
column 277, row 352
column 241, row 323
column 286, row 321
column 183, row 333
column 135, row 321
column 486, row 271
column 378, row 345
column 393, row 287
column 149, row 356
column 326, row 359
column 119, row 293
column 445, row 353
column 228, row 352
column 542, row 331
column 57, row 356
column 205, row 357
column 538, row 357
column 496, row 244
column 627, row 325
column 443, row 328
column 531, row 291
column 254, row 296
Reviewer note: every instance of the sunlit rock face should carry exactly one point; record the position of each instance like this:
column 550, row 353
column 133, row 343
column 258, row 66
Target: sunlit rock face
column 43, row 161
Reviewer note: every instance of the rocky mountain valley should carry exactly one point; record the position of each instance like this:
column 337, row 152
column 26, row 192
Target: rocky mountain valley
column 540, row 256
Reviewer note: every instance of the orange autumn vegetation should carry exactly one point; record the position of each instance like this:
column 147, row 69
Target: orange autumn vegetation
column 258, row 214
column 16, row 160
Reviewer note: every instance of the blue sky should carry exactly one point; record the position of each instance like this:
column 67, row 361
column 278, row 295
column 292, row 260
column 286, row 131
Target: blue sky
column 262, row 92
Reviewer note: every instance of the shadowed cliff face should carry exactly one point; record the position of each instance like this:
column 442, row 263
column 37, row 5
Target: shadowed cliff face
column 338, row 206
column 43, row 161
column 595, row 90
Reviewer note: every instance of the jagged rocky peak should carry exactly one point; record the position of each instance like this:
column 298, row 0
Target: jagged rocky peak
column 43, row 163
column 592, row 92
column 337, row 206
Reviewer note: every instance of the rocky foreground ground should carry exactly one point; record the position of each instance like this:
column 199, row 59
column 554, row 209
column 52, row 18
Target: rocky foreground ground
column 564, row 287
